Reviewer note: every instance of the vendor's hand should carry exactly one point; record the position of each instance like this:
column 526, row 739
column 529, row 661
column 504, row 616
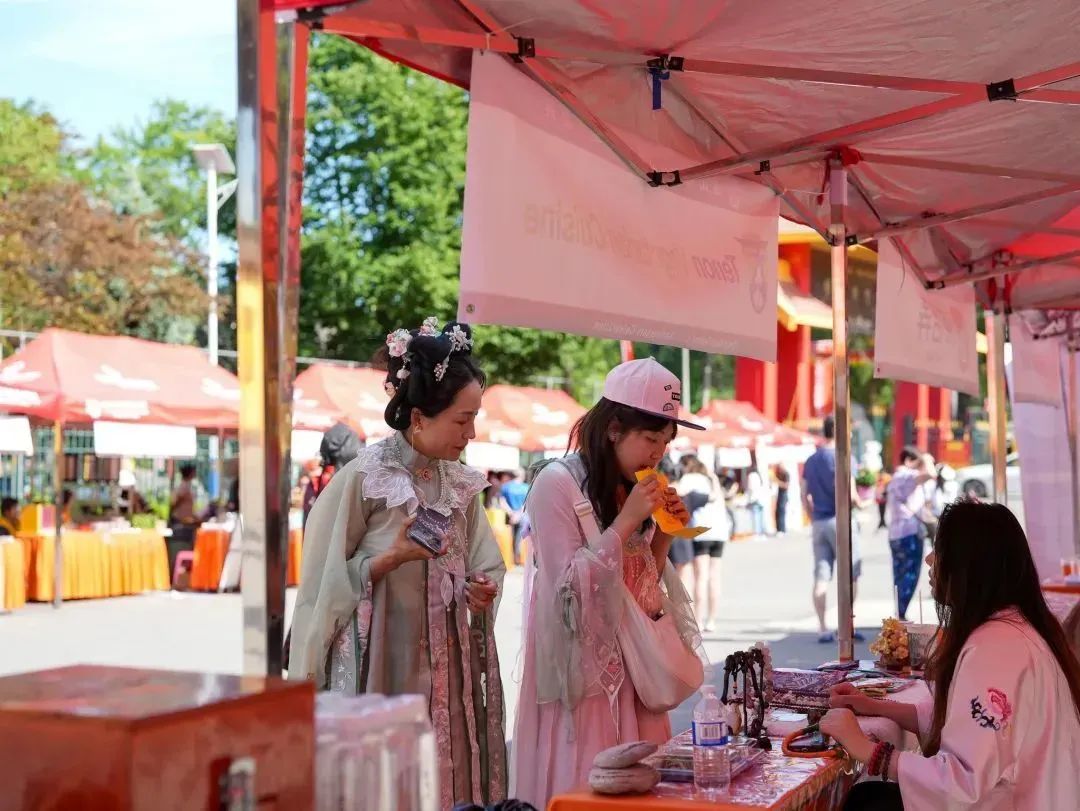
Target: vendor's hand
column 843, row 727
column 480, row 592
column 643, row 500
column 675, row 506
column 847, row 696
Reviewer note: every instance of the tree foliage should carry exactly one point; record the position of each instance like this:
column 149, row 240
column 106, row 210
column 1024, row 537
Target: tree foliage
column 69, row 260
column 383, row 203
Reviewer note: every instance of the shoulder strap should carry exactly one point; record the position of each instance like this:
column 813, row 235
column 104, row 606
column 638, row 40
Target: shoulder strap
column 586, row 516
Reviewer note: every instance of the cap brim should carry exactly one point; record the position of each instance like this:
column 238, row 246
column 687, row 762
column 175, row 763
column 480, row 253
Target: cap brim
column 684, row 423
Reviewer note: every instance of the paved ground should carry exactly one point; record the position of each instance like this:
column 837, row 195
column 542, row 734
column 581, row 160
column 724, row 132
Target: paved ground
column 766, row 597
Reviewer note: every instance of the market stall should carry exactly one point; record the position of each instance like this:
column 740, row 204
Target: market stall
column 142, row 399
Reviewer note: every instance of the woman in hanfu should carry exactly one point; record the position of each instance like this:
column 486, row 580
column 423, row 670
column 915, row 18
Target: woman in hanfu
column 376, row 612
column 577, row 697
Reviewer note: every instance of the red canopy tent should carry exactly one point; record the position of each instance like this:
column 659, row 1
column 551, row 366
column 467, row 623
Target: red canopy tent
column 324, row 394
column 544, row 416
column 69, row 377
column 743, row 417
column 946, row 130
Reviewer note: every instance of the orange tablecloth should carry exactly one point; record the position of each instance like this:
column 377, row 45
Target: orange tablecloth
column 776, row 783
column 13, row 573
column 211, row 546
column 296, row 551
column 97, row 564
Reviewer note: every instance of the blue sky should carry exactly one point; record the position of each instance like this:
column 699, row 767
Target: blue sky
column 99, row 64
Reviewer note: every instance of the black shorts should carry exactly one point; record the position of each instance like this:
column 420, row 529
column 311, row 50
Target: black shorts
column 714, row 549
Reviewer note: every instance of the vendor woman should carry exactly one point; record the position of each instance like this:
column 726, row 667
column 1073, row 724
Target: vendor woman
column 1003, row 728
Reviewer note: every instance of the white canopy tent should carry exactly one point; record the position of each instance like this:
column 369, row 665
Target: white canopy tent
column 945, row 129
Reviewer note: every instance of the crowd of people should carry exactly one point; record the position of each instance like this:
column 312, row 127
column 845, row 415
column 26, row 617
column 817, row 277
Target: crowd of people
column 402, row 575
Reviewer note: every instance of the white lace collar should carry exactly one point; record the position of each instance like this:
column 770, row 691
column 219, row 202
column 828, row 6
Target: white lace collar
column 387, row 475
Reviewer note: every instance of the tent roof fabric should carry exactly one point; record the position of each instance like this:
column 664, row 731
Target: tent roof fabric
column 543, row 417
column 742, row 417
column 956, row 121
column 75, row 378
column 324, row 394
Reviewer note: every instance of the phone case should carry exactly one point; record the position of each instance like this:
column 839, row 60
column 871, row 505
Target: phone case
column 429, row 529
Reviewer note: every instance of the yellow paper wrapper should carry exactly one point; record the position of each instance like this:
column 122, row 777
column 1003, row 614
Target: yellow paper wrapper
column 668, row 523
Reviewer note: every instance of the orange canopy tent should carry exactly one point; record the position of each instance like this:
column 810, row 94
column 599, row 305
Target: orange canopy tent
column 324, row 394
column 69, row 377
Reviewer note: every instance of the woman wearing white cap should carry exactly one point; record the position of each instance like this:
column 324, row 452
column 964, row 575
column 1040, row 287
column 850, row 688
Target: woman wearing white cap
column 594, row 541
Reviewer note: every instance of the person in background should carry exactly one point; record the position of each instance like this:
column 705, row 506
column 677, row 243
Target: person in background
column 907, row 499
column 339, row 446
column 1002, row 728
column 514, row 492
column 707, row 509
column 67, row 507
column 880, row 496
column 756, row 496
column 9, row 516
column 783, row 483
column 819, row 501
column 493, row 499
column 695, row 488
column 130, row 502
column 182, row 519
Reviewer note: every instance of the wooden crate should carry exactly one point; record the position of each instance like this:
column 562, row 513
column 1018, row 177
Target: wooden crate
column 120, row 739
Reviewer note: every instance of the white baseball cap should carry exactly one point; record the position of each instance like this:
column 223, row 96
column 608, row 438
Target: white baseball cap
column 647, row 386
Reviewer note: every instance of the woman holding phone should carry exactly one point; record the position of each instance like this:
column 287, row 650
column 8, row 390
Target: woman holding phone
column 401, row 570
column 577, row 696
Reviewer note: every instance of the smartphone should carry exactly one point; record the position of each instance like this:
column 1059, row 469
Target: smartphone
column 814, row 742
column 429, row 529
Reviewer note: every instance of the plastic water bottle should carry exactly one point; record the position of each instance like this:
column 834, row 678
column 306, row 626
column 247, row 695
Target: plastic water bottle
column 712, row 758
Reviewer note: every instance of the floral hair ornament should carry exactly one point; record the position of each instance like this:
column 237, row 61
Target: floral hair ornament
column 399, row 343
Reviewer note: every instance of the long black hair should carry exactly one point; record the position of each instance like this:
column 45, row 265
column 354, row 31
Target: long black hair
column 436, row 367
column 982, row 565
column 591, row 438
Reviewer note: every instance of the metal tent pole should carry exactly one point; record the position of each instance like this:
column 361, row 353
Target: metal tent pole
column 841, row 410
column 995, row 387
column 1073, row 420
column 58, row 500
column 272, row 61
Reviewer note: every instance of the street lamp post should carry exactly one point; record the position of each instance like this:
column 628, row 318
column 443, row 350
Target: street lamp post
column 214, row 160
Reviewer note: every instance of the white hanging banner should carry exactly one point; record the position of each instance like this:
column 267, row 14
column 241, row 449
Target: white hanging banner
column 1036, row 367
column 144, row 440
column 923, row 336
column 560, row 235
column 488, row 456
column 15, row 436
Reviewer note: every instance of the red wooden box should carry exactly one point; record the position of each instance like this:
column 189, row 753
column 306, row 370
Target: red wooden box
column 119, row 739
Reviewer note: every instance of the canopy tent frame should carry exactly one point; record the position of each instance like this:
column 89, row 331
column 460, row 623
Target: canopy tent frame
column 268, row 213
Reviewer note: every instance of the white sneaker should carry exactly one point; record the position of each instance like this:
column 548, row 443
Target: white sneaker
column 710, row 626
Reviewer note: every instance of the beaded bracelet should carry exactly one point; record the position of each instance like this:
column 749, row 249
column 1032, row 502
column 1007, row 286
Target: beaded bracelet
column 874, row 764
column 889, row 752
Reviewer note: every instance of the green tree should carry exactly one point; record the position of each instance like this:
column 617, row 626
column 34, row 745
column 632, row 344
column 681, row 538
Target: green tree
column 383, row 190
column 33, row 148
column 150, row 169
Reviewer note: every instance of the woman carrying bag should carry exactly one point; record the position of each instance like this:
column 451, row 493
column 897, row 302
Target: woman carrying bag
column 610, row 643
